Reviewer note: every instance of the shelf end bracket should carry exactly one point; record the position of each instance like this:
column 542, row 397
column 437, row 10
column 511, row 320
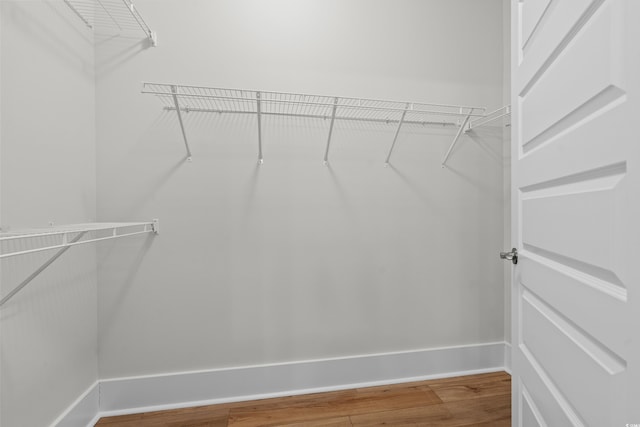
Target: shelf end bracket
column 457, row 137
column 395, row 137
column 259, row 111
column 333, row 119
column 174, row 94
column 153, row 38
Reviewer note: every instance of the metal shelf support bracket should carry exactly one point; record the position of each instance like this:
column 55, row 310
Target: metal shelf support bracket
column 333, row 120
column 68, row 236
column 490, row 117
column 43, row 267
column 259, row 111
column 395, row 137
column 174, row 92
column 455, row 140
column 397, row 114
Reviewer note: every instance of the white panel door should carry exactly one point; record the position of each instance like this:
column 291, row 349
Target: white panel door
column 576, row 212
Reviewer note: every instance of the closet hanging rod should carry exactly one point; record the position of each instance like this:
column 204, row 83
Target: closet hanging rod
column 310, row 104
column 316, row 116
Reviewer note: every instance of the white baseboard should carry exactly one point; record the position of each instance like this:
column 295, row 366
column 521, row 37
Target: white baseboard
column 141, row 394
column 121, row 396
column 507, row 357
column 84, row 411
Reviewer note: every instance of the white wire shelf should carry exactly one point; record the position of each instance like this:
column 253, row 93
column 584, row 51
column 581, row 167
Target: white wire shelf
column 61, row 238
column 501, row 113
column 469, row 125
column 111, row 17
column 26, row 241
column 187, row 99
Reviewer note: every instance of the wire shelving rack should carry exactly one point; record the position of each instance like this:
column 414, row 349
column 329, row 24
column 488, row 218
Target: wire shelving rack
column 111, row 17
column 60, row 239
column 503, row 113
column 185, row 99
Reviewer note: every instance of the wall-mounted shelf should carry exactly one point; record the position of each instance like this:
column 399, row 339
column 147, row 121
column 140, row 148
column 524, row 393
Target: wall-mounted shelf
column 111, row 16
column 58, row 237
column 500, row 113
column 469, row 125
column 186, row 99
column 61, row 238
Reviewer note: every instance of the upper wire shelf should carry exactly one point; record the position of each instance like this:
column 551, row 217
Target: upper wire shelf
column 111, row 16
column 219, row 100
column 186, row 99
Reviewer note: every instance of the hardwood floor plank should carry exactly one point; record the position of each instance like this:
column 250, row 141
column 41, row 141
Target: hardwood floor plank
column 432, row 415
column 361, row 401
column 477, row 400
column 119, row 420
column 477, row 386
column 470, row 378
column 492, row 409
column 501, row 423
column 328, row 422
column 202, row 416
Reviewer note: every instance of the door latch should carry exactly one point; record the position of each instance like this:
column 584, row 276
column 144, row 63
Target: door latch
column 510, row 256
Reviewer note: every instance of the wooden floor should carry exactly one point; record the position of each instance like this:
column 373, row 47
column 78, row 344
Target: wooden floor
column 477, row 400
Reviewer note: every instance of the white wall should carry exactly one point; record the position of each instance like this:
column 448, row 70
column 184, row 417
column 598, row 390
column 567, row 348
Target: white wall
column 293, row 260
column 48, row 331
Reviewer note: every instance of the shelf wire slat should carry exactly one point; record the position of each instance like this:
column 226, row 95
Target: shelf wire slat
column 66, row 234
column 490, row 117
column 62, row 238
column 265, row 103
column 468, row 125
column 111, row 16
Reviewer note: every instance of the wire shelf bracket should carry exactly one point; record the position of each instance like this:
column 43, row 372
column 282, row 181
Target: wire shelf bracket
column 64, row 237
column 112, row 16
column 490, row 117
column 259, row 113
column 455, row 139
column 468, row 125
column 200, row 99
column 395, row 136
column 333, row 120
column 174, row 92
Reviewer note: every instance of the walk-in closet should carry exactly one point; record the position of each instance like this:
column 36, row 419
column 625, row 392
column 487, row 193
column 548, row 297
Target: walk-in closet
column 318, row 212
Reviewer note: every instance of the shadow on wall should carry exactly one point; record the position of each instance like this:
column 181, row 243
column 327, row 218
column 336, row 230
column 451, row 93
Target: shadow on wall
column 55, row 284
column 373, row 301
column 204, row 131
column 43, row 33
column 420, row 193
column 489, row 139
column 125, row 54
column 249, row 196
column 123, row 286
column 156, row 184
